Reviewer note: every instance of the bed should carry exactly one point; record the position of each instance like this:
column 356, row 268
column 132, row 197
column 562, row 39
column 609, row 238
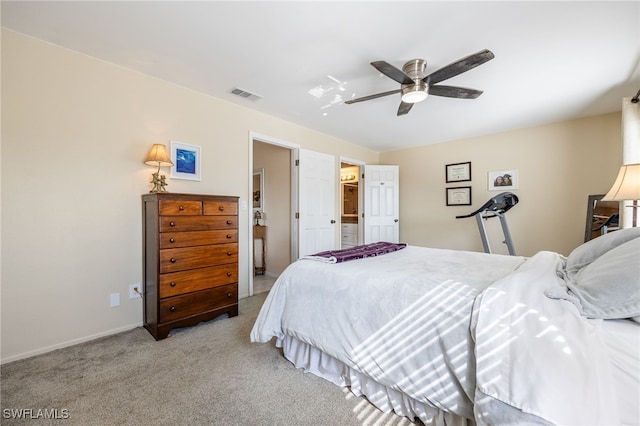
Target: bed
column 454, row 337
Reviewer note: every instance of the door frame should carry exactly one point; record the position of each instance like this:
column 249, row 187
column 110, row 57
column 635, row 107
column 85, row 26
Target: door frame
column 294, row 147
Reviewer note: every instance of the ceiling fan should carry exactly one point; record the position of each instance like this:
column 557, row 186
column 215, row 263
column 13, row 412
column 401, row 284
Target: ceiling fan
column 416, row 86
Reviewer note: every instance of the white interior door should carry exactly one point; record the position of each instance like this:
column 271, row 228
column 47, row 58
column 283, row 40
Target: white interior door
column 381, row 204
column 317, row 202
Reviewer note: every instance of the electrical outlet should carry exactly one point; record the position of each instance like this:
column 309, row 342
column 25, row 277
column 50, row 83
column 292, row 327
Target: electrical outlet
column 134, row 291
column 115, row 299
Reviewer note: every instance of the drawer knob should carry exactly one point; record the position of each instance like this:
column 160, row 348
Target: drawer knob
column 181, row 208
column 172, row 240
column 229, row 253
column 173, row 260
column 229, row 295
column 229, row 222
column 229, row 274
column 221, row 208
column 172, row 224
column 172, row 284
column 228, row 236
column 172, row 309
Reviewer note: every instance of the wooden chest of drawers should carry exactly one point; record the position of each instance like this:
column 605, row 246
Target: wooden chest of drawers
column 190, row 259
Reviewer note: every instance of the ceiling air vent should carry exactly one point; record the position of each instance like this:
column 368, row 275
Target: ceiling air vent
column 245, row 94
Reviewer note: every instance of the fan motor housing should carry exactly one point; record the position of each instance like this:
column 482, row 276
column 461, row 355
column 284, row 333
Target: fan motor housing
column 416, row 92
column 415, row 69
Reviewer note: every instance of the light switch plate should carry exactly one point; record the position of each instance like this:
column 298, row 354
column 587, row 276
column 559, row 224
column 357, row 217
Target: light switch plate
column 115, row 299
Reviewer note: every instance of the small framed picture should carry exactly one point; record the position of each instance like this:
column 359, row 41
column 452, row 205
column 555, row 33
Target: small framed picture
column 458, row 172
column 501, row 180
column 186, row 161
column 459, row 196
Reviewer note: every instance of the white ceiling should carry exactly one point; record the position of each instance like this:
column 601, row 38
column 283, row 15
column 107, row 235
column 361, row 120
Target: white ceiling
column 554, row 60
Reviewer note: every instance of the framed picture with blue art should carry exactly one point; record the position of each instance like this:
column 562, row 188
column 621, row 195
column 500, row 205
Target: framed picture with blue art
column 186, row 161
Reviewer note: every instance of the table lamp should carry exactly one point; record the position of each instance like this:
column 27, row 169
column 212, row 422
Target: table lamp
column 626, row 188
column 158, row 156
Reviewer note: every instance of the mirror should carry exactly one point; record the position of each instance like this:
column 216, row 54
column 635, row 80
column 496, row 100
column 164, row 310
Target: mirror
column 258, row 190
column 602, row 217
column 350, row 199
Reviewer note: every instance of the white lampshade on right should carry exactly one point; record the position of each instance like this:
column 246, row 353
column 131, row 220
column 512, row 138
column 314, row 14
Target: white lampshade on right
column 627, row 188
column 627, row 184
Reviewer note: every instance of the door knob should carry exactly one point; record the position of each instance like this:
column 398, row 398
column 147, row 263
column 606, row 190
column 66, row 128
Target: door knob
column 333, row 221
column 396, row 220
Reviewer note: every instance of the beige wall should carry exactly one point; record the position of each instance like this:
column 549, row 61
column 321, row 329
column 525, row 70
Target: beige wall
column 558, row 165
column 75, row 131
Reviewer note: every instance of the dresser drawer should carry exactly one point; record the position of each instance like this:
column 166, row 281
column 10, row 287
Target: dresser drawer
column 179, row 207
column 175, row 308
column 197, row 223
column 220, row 208
column 180, row 259
column 176, row 283
column 197, row 238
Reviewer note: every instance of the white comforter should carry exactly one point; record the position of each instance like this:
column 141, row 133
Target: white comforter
column 416, row 339
column 432, row 338
column 538, row 354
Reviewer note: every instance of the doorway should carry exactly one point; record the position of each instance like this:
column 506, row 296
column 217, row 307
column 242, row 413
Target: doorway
column 271, row 225
column 294, row 222
column 350, row 204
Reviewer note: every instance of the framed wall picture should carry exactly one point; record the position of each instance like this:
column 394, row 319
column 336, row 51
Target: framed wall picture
column 459, row 196
column 186, row 161
column 458, row 172
column 501, row 180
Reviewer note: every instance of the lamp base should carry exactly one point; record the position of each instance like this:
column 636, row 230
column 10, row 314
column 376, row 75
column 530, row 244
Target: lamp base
column 159, row 183
column 634, row 219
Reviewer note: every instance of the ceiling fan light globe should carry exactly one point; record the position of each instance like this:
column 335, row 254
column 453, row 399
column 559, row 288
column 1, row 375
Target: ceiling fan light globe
column 414, row 94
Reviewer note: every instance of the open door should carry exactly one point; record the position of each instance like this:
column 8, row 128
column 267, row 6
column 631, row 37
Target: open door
column 381, row 204
column 316, row 202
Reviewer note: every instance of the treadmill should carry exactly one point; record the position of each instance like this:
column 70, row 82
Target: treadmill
column 495, row 207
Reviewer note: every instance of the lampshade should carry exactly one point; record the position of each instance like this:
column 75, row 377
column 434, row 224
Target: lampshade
column 627, row 184
column 158, row 156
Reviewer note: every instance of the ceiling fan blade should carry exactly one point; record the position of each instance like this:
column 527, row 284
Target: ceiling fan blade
column 454, row 92
column 460, row 66
column 404, row 108
column 392, row 72
column 368, row 98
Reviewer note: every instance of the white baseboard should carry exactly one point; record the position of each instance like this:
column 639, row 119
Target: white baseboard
column 68, row 343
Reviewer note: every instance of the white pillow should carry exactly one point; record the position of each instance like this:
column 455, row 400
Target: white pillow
column 608, row 287
column 586, row 253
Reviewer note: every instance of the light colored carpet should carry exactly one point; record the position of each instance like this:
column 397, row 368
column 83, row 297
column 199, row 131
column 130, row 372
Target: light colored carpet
column 210, row 374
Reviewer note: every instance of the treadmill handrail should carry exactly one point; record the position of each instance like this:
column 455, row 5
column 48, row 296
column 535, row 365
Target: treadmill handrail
column 501, row 203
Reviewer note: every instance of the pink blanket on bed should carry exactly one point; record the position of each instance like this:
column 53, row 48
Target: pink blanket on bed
column 357, row 252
